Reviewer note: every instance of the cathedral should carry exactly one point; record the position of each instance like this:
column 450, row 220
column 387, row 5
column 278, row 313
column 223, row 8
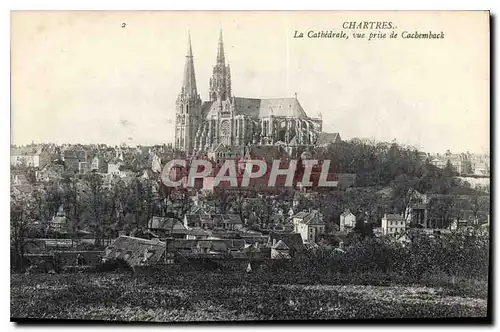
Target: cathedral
column 201, row 126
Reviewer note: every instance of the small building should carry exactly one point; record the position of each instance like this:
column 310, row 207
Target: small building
column 309, row 225
column 347, row 221
column 138, row 252
column 201, row 220
column 73, row 158
column 228, row 222
column 393, row 224
column 280, row 250
column 197, row 233
column 29, row 156
column 164, row 226
column 59, row 221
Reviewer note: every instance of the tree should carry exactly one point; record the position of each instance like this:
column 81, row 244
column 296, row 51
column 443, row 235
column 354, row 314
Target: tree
column 21, row 215
column 441, row 211
column 403, row 191
column 449, row 170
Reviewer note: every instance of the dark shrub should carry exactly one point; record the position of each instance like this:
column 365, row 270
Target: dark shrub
column 114, row 265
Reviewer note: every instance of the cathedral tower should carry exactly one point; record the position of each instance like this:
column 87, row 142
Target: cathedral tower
column 220, row 82
column 188, row 106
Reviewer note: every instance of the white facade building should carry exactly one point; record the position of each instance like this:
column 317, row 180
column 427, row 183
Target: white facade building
column 393, row 224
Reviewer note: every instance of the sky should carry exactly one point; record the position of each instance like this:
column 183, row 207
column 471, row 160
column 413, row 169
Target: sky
column 81, row 77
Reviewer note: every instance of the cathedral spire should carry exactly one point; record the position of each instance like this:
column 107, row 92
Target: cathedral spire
column 220, row 49
column 190, row 50
column 189, row 81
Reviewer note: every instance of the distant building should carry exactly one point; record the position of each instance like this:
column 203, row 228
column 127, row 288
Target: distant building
column 325, row 139
column 347, row 221
column 164, row 226
column 460, row 162
column 31, row 157
column 72, row 159
column 51, row 172
column 223, row 152
column 98, row 164
column 227, row 222
column 138, row 252
column 83, row 167
column 393, row 224
column 114, row 168
column 58, row 223
column 309, row 225
column 280, row 250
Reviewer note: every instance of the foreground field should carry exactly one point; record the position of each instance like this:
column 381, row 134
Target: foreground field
column 215, row 297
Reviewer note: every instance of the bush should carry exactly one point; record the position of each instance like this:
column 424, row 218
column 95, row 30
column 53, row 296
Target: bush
column 385, row 261
column 114, row 265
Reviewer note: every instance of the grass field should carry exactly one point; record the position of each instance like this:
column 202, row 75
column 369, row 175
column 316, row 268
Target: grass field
column 211, row 296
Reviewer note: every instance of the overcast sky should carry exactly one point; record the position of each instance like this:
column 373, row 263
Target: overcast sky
column 82, row 77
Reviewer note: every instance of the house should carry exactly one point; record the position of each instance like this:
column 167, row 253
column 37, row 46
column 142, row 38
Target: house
column 138, row 252
column 99, row 164
column 59, row 221
column 228, row 222
column 201, row 220
column 292, row 240
column 29, row 156
column 18, row 178
column 207, row 247
column 72, row 159
column 325, row 139
column 83, row 167
column 347, row 221
column 309, row 225
column 393, row 224
column 197, row 233
column 51, row 172
column 114, row 168
column 280, row 250
column 164, row 226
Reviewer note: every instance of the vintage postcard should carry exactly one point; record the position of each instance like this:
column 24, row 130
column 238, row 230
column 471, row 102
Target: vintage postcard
column 177, row 166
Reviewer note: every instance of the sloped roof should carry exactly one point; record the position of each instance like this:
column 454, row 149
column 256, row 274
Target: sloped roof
column 346, row 213
column 393, row 217
column 292, row 240
column 288, row 107
column 259, row 108
column 135, row 251
column 198, row 232
column 227, row 218
column 166, row 224
column 24, row 151
column 280, row 245
column 327, row 138
column 247, row 106
column 310, row 217
column 75, row 154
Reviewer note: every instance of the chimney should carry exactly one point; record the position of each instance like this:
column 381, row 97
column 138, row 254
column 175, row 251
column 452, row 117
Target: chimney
column 274, row 242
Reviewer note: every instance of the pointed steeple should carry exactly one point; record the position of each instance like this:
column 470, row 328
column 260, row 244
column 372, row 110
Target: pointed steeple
column 220, row 49
column 189, row 82
column 190, row 50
